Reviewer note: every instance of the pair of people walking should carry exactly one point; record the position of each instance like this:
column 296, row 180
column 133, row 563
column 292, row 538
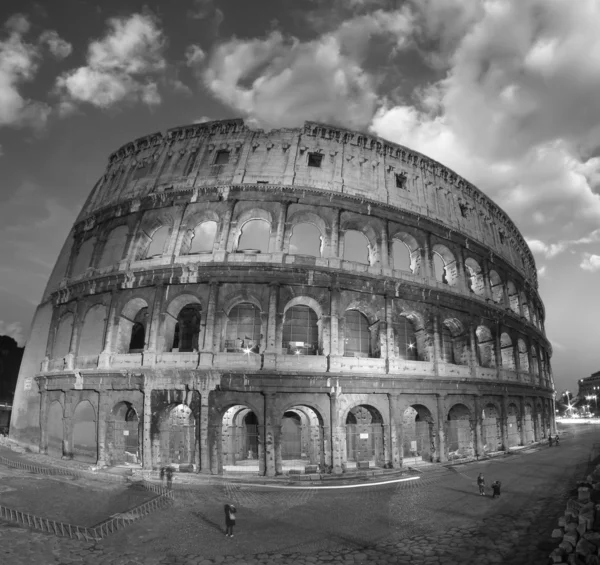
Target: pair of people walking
column 495, row 486
column 230, row 511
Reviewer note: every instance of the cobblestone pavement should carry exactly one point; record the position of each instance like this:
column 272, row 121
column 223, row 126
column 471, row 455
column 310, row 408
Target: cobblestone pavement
column 439, row 519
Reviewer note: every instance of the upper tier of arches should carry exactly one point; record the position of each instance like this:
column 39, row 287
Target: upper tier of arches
column 316, row 157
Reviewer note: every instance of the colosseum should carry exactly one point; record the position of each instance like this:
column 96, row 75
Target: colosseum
column 307, row 299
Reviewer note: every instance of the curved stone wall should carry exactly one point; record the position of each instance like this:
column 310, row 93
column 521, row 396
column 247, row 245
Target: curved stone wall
column 230, row 298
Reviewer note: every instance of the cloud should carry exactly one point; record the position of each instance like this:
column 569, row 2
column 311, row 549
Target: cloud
column 542, row 272
column 590, row 262
column 58, row 46
column 282, row 81
column 14, row 330
column 122, row 66
column 517, row 112
column 206, row 10
column 554, row 249
column 194, row 56
column 19, row 63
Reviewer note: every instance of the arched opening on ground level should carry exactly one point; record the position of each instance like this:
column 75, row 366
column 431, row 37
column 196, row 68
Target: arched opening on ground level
column 302, row 439
column 491, row 428
column 85, row 446
column 529, row 434
column 460, row 433
column 417, row 434
column 513, row 426
column 241, row 443
column 55, row 430
column 177, row 433
column 364, row 437
column 122, row 435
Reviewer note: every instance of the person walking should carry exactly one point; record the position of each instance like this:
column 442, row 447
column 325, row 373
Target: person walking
column 481, row 484
column 169, row 477
column 549, row 441
column 556, row 439
column 230, row 511
column 496, row 489
column 162, row 476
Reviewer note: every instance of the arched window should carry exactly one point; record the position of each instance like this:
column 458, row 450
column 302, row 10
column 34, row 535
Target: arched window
column 137, row 341
column 255, row 236
column 513, row 297
column 357, row 337
column 508, row 354
column 203, row 238
column 356, row 247
column 187, row 328
column 91, row 340
column 84, row 257
column 475, row 280
column 406, row 339
column 534, row 369
column 523, row 358
column 439, row 268
column 306, row 240
column 447, row 345
column 300, row 331
column 497, row 287
column 62, row 340
column 158, row 243
column 114, row 247
column 401, row 256
column 243, row 328
column 485, row 346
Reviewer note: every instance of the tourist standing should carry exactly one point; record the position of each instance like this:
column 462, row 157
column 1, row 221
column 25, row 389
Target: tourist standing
column 550, row 441
column 169, row 477
column 496, row 489
column 230, row 511
column 481, row 484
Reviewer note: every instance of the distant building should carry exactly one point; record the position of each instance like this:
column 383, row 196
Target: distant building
column 590, row 386
column 10, row 361
column 186, row 323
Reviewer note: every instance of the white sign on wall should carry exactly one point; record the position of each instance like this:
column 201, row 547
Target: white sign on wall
column 27, row 384
column 364, row 436
column 125, row 432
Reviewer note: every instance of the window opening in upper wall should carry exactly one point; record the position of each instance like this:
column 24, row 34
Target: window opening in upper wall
column 400, row 180
column 222, row 157
column 315, row 159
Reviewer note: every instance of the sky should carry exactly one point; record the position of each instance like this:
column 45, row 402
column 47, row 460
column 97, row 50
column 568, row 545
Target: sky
column 504, row 92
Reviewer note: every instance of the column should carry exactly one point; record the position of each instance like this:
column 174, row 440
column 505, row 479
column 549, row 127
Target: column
column 437, row 343
column 271, row 422
column 272, row 319
column 516, row 355
column 462, row 271
column 479, row 450
column 175, row 229
column 281, row 226
column 396, row 456
column 522, row 416
column 385, row 253
column 147, row 423
column 335, row 234
column 498, row 348
column 505, row 422
column 427, row 259
column 489, row 295
column 43, row 419
column 225, row 226
column 334, row 320
column 441, row 420
column 208, row 348
column 109, row 330
column 391, row 346
column 530, row 360
column 154, row 344
column 203, row 439
column 336, row 435
column 101, row 428
column 473, row 346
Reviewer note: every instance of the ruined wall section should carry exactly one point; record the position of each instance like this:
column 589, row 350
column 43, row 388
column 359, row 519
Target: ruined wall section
column 352, row 163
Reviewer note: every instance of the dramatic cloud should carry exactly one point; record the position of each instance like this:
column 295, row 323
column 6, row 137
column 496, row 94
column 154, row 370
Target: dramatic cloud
column 590, row 262
column 194, row 56
column 58, row 46
column 517, row 113
column 122, row 66
column 14, row 330
column 19, row 62
column 281, row 81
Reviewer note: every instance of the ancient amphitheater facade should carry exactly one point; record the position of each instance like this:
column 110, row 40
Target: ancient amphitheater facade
column 234, row 299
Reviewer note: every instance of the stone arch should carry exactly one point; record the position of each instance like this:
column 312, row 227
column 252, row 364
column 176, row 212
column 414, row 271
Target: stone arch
column 513, row 297
column 358, row 226
column 114, row 246
column 406, row 342
column 85, row 445
column 528, row 423
column 513, row 425
column 486, row 354
column 507, row 351
column 201, row 239
column 364, row 436
column 62, row 338
column 534, row 369
column 455, row 344
column 406, row 253
column 475, row 281
column 302, row 437
column 460, row 435
column 132, row 326
column 177, row 436
column 158, row 243
column 91, row 340
column 55, row 429
column 242, row 440
column 173, row 322
column 523, row 356
column 302, row 319
column 123, row 431
column 491, row 427
column 358, row 334
column 245, row 220
column 444, row 262
column 299, row 226
column 421, row 336
column 417, row 434
column 243, row 325
column 497, row 287
column 83, row 258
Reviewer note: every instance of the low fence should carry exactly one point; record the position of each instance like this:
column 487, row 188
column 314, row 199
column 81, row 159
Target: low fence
column 164, row 497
